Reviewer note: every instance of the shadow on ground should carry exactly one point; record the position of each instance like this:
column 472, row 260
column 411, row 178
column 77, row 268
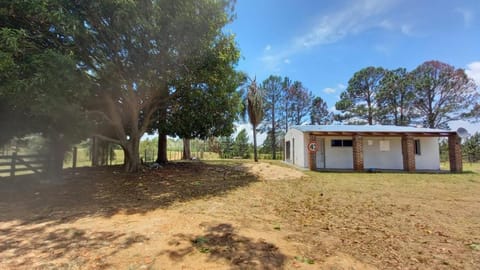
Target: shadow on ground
column 222, row 242
column 106, row 191
column 35, row 247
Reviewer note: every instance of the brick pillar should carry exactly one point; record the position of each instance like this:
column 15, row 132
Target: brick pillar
column 455, row 153
column 408, row 153
column 312, row 156
column 357, row 150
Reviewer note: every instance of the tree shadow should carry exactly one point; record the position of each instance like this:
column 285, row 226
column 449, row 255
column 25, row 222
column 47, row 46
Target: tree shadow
column 222, row 242
column 69, row 248
column 106, row 191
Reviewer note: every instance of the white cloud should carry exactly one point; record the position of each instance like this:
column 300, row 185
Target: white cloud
column 268, row 48
column 329, row 90
column 467, row 15
column 473, row 71
column 406, row 29
column 355, row 17
column 332, row 90
column 333, row 110
column 286, row 61
column 248, row 127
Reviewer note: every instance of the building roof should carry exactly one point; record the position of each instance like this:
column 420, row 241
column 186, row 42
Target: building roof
column 371, row 129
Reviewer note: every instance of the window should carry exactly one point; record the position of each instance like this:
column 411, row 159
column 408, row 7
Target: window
column 340, row 143
column 418, row 149
column 336, row 143
column 287, row 150
column 347, row 143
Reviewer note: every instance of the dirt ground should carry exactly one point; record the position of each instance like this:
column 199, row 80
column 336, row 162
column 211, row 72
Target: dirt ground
column 239, row 215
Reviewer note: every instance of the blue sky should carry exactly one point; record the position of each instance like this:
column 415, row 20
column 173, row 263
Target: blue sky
column 323, row 43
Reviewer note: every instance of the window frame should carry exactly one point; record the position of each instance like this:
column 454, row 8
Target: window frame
column 341, row 143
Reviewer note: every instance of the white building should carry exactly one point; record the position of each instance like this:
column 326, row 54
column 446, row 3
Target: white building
column 369, row 147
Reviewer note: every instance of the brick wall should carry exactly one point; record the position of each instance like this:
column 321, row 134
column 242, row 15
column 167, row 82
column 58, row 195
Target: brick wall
column 357, row 149
column 408, row 153
column 455, row 153
column 312, row 156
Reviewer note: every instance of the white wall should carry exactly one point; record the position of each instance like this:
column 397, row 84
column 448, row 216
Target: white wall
column 429, row 159
column 374, row 158
column 297, row 149
column 338, row 157
column 342, row 157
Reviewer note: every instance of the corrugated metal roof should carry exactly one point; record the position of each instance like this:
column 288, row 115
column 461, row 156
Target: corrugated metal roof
column 366, row 128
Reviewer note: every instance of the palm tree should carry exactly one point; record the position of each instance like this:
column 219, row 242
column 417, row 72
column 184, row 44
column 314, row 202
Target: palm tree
column 255, row 111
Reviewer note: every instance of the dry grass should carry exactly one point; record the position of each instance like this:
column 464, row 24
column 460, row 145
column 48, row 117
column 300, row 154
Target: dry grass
column 219, row 215
column 387, row 220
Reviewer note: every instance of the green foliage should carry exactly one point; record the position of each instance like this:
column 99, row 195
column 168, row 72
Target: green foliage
column 267, row 144
column 395, row 98
column 255, row 111
column 226, row 145
column 471, row 148
column 442, row 93
column 241, row 145
column 319, row 114
column 207, row 103
column 255, row 106
column 359, row 101
column 299, row 103
column 273, row 101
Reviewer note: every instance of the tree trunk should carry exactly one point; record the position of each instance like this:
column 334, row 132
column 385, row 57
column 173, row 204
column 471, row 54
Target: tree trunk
column 274, row 150
column 54, row 166
column 93, row 151
column 162, row 137
column 274, row 144
column 255, row 157
column 187, row 155
column 162, row 149
column 132, row 156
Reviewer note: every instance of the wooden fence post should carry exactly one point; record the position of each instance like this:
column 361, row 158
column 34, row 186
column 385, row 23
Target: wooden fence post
column 74, row 158
column 14, row 162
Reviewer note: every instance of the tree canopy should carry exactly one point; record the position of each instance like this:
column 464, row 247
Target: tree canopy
column 135, row 56
column 442, row 93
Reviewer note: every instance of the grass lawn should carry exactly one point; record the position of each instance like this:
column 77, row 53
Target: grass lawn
column 236, row 214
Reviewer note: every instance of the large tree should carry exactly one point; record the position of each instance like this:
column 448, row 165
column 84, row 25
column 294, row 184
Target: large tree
column 471, row 147
column 442, row 93
column 255, row 112
column 273, row 95
column 395, row 98
column 319, row 114
column 241, row 145
column 134, row 50
column 299, row 103
column 209, row 103
column 359, row 99
column 41, row 88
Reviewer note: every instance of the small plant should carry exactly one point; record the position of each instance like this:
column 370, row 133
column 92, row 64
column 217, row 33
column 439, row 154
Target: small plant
column 199, row 242
column 277, row 227
column 304, row 259
column 475, row 246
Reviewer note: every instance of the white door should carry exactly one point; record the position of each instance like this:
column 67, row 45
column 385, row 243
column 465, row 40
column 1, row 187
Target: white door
column 320, row 153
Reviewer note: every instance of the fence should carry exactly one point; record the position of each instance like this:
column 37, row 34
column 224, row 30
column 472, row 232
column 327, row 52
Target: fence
column 22, row 163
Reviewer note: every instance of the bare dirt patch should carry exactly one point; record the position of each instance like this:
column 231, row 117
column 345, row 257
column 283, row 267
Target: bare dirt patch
column 267, row 171
column 218, row 215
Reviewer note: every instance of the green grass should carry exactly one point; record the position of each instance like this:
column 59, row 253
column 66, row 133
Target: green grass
column 467, row 166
